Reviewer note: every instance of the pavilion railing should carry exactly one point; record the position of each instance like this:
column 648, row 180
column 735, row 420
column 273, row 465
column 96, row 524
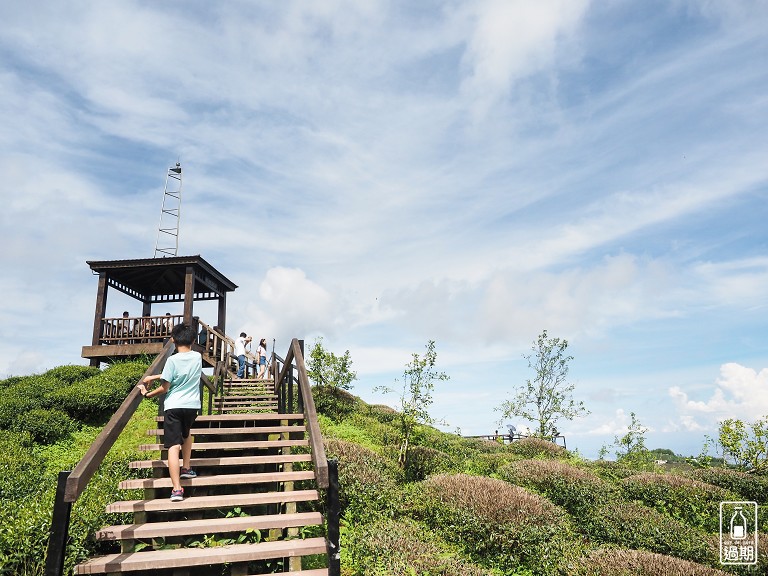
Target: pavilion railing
column 138, row 329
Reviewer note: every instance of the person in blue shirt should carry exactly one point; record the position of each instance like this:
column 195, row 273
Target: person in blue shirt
column 180, row 382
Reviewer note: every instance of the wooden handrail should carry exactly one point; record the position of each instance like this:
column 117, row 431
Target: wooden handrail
column 82, row 473
column 310, row 413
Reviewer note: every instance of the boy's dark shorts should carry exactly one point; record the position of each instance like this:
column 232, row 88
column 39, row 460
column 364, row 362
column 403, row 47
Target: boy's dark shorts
column 176, row 425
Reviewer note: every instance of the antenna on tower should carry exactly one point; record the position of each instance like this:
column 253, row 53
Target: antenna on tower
column 167, row 243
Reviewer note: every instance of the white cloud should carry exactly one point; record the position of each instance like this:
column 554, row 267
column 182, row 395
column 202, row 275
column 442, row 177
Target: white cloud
column 513, row 39
column 740, row 392
column 289, row 304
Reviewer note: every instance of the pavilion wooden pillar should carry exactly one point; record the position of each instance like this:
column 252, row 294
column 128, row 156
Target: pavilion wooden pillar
column 146, row 307
column 189, row 293
column 101, row 307
column 221, row 322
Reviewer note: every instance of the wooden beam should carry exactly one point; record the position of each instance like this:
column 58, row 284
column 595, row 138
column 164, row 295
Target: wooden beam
column 189, row 293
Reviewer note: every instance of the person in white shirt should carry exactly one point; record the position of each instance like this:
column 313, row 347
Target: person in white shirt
column 240, row 343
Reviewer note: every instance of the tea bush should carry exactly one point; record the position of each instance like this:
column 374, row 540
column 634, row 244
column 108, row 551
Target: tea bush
column 489, row 464
column 620, row 562
column 690, row 501
column 45, row 426
column 73, row 373
column 632, row 525
column 749, row 486
column 611, row 471
column 96, row 398
column 21, row 469
column 533, row 447
column 498, row 524
column 423, row 461
column 334, row 402
column 575, row 489
column 403, row 548
column 367, row 481
column 382, row 413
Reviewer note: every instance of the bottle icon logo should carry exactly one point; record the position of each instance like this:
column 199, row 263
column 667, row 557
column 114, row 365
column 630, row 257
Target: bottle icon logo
column 738, row 524
column 738, row 533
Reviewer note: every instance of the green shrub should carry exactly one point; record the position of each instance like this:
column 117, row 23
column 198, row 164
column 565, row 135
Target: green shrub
column 10, row 381
column 423, row 461
column 575, row 489
column 632, row 525
column 619, row 562
column 532, row 447
column 45, row 426
column 24, row 530
column 11, row 405
column 96, row 398
column 690, row 501
column 367, row 481
column 498, row 524
column 70, row 374
column 382, row 434
column 749, row 486
column 383, row 413
column 488, row 464
column 403, row 548
column 611, row 471
column 334, row 402
column 21, row 468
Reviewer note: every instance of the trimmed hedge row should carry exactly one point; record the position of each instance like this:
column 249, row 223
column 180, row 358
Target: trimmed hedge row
column 51, row 405
column 499, row 525
column 403, row 548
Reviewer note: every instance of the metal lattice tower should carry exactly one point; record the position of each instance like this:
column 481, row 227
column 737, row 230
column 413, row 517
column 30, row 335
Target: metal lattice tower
column 167, row 243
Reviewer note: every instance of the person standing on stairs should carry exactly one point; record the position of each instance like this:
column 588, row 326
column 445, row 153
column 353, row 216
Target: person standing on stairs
column 180, row 382
column 240, row 343
column 262, row 354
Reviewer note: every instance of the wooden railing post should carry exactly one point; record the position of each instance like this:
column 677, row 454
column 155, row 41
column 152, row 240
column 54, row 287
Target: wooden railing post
column 57, row 541
column 333, row 509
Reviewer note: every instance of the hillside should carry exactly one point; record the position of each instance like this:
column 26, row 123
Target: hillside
column 459, row 506
column 466, row 506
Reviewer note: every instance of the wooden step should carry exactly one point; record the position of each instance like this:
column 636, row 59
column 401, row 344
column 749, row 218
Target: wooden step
column 236, row 431
column 314, row 572
column 212, row 526
column 248, row 397
column 244, row 417
column 228, row 461
column 220, row 480
column 232, row 445
column 208, row 502
column 188, row 557
column 247, row 402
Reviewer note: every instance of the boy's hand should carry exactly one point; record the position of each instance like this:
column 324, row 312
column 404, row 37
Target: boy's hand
column 142, row 388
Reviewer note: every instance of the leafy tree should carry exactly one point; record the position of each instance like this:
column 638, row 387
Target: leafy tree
column 745, row 445
column 327, row 369
column 630, row 448
column 419, row 379
column 548, row 397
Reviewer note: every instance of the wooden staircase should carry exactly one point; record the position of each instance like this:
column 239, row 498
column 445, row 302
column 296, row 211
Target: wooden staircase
column 250, row 394
column 246, row 513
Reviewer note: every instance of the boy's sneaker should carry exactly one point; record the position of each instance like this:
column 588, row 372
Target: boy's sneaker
column 177, row 495
column 187, row 473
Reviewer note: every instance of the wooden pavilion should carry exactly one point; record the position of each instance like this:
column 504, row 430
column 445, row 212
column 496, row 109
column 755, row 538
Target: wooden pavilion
column 151, row 281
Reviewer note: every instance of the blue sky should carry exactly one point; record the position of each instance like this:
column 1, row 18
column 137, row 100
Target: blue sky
column 386, row 173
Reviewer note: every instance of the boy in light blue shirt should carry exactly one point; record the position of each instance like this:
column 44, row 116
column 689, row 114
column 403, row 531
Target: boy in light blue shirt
column 180, row 381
